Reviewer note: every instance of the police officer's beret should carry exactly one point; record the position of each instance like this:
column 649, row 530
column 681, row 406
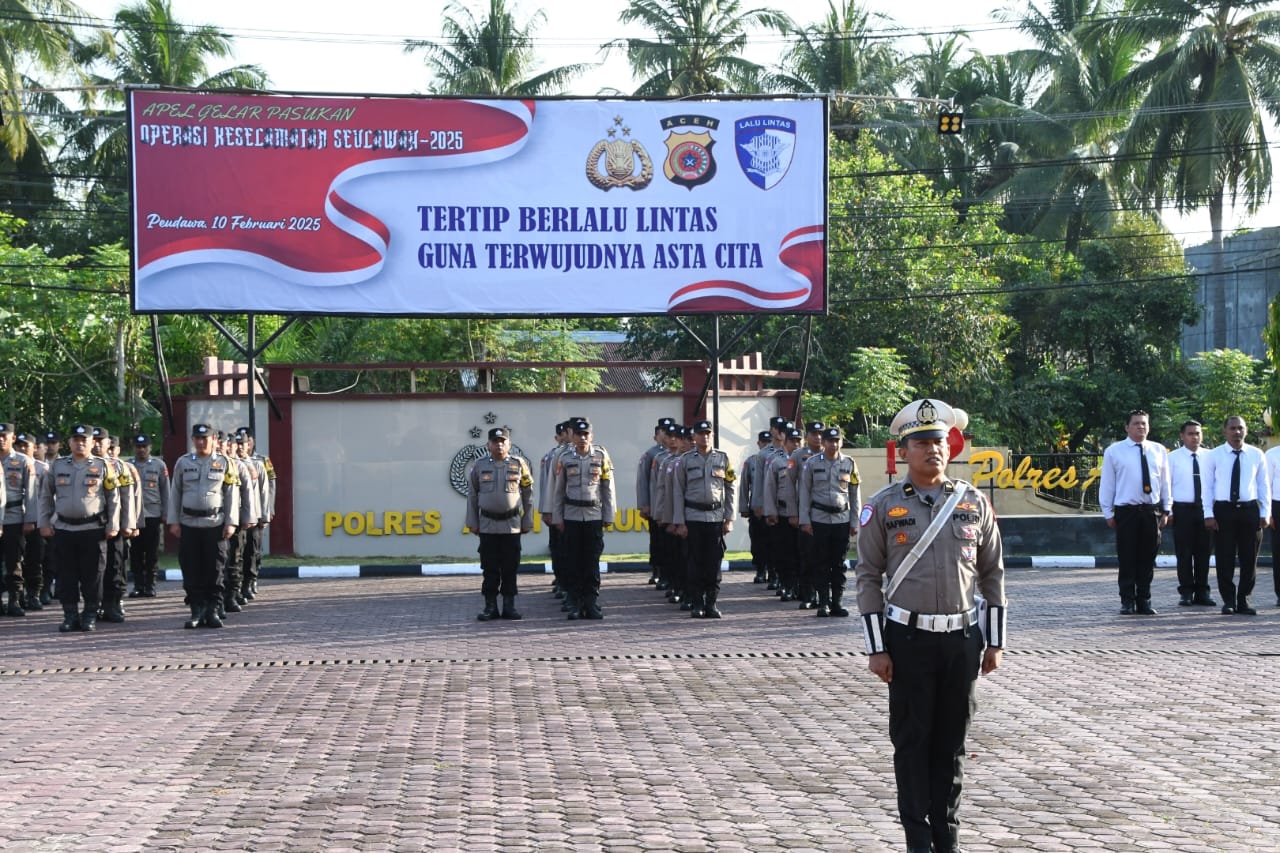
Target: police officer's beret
column 81, row 431
column 141, row 439
column 832, row 433
column 581, row 426
column 51, row 436
column 778, row 423
column 238, row 438
column 98, row 432
column 23, row 438
column 793, row 433
column 815, row 426
column 200, row 430
column 244, row 430
column 5, row 429
column 663, row 423
column 702, row 426
column 683, row 431
column 764, row 435
column 923, row 419
column 498, row 432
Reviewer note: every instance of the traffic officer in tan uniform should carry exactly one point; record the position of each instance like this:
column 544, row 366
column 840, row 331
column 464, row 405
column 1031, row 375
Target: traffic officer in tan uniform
column 922, row 630
column 203, row 513
column 703, row 509
column 582, row 509
column 644, row 473
column 828, row 493
column 747, row 487
column 499, row 511
column 546, row 494
column 80, row 511
column 19, row 516
column 144, row 552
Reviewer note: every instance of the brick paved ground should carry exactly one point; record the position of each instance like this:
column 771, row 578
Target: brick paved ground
column 377, row 714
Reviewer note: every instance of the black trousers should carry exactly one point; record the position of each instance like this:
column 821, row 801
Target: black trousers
column 1192, row 543
column 830, row 548
column 706, row 551
column 144, row 555
column 499, row 562
column 233, row 574
column 80, row 558
column 13, row 544
column 252, row 554
column 1275, row 548
column 756, row 533
column 114, row 582
column 784, row 551
column 1238, row 539
column 1137, row 543
column 931, row 700
column 583, row 543
column 33, row 560
column 202, row 553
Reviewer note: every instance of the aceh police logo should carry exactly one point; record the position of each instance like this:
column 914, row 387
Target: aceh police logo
column 689, row 160
column 765, row 146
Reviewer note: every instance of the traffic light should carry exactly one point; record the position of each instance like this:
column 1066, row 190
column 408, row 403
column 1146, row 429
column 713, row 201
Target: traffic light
column 951, row 122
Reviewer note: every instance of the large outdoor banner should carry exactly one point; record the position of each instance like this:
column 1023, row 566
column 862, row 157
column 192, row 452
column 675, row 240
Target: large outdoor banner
column 431, row 206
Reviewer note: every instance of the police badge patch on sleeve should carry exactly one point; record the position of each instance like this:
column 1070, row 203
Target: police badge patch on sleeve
column 867, row 512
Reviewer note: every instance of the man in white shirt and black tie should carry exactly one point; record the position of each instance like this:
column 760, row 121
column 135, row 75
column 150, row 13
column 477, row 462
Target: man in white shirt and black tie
column 1273, row 471
column 1134, row 491
column 1237, row 504
column 1192, row 541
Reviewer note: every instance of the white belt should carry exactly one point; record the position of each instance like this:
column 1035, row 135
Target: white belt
column 939, row 623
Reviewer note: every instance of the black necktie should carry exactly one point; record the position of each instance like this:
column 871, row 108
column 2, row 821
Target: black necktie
column 1146, row 472
column 1235, row 477
column 1195, row 476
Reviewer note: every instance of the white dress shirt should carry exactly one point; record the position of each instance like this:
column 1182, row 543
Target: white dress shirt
column 1121, row 480
column 1273, row 470
column 1255, row 483
column 1182, row 474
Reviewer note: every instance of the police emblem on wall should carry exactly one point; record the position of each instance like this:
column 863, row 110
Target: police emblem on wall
column 612, row 162
column 689, row 161
column 765, row 146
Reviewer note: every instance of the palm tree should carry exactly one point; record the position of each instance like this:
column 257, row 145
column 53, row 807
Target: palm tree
column 1069, row 189
column 838, row 56
column 493, row 56
column 35, row 34
column 148, row 46
column 697, row 45
column 1198, row 136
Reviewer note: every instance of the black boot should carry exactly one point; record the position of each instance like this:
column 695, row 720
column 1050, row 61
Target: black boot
column 697, row 606
column 197, row 615
column 709, row 610
column 210, row 618
column 591, row 610
column 15, row 605
column 490, row 609
column 89, row 619
column 33, row 601
column 230, row 605
column 70, row 621
column 836, row 609
column 112, row 611
column 824, row 603
column 509, row 608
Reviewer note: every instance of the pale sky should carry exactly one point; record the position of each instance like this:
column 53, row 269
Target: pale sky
column 356, row 48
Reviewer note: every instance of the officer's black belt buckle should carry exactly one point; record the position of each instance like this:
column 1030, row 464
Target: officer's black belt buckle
column 711, row 507
column 573, row 502
column 834, row 510
column 202, row 513
column 500, row 516
column 18, row 502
